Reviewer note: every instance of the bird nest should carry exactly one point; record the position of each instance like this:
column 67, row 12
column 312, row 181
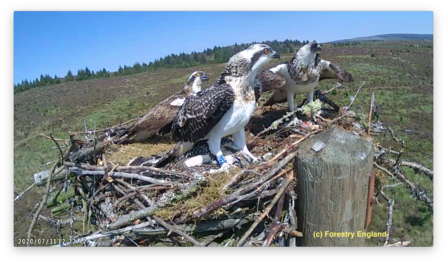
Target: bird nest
column 104, row 198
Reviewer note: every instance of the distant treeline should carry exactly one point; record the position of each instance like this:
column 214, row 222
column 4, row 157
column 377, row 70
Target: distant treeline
column 182, row 60
column 342, row 44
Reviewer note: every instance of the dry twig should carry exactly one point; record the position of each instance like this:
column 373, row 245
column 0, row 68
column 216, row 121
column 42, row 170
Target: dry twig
column 285, row 184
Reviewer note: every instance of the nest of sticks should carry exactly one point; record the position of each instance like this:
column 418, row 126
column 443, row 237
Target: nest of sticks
column 95, row 202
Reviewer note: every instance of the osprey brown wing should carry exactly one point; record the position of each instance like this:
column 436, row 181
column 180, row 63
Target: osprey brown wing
column 270, row 80
column 158, row 117
column 340, row 74
column 201, row 112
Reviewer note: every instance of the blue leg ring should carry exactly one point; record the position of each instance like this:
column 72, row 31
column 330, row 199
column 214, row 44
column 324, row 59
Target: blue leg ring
column 221, row 159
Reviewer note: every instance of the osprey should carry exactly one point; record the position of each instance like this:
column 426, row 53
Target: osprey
column 224, row 108
column 159, row 118
column 300, row 75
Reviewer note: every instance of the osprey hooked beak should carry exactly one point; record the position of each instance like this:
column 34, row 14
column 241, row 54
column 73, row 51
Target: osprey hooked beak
column 314, row 47
column 204, row 77
column 276, row 54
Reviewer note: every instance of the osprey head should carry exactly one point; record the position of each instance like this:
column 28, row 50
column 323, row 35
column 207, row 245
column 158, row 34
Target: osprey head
column 195, row 81
column 309, row 52
column 250, row 60
column 198, row 76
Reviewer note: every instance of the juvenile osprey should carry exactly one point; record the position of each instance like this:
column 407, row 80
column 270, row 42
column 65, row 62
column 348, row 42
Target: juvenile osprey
column 160, row 117
column 300, row 75
column 224, row 108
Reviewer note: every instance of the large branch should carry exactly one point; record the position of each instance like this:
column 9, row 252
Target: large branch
column 130, row 169
column 101, row 235
column 390, row 216
column 417, row 190
column 200, row 227
column 274, row 230
column 287, row 149
column 292, row 216
column 124, row 175
column 42, row 203
column 261, row 217
column 24, row 192
column 418, row 168
column 84, row 154
column 177, row 231
column 358, row 90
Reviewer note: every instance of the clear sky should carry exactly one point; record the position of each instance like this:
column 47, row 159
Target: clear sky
column 54, row 42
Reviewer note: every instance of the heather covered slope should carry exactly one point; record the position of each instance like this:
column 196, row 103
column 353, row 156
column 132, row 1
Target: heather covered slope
column 399, row 73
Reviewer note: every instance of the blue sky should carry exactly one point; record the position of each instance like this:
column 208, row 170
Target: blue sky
column 54, row 42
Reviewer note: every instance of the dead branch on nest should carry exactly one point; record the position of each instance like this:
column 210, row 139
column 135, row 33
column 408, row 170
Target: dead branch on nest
column 85, row 153
column 416, row 190
column 238, row 177
column 101, row 235
column 125, row 175
column 49, row 138
column 337, row 85
column 392, row 185
column 335, row 120
column 370, row 114
column 116, row 127
column 398, row 141
column 285, row 150
column 60, row 222
column 399, row 244
column 274, row 230
column 42, row 203
column 24, row 192
column 390, row 215
column 261, row 190
column 285, row 184
column 276, row 227
column 418, row 168
column 177, row 231
column 388, row 150
column 200, row 227
column 292, row 215
column 352, row 101
column 130, row 169
column 383, row 169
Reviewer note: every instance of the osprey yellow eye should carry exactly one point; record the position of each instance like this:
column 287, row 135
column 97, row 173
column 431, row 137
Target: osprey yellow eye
column 198, row 74
column 266, row 51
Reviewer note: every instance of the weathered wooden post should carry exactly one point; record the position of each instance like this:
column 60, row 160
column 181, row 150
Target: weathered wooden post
column 333, row 170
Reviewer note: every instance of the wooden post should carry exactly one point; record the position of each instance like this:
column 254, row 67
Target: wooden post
column 333, row 170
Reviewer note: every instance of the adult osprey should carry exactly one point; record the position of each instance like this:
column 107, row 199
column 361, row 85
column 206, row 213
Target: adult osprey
column 224, row 108
column 300, row 75
column 160, row 117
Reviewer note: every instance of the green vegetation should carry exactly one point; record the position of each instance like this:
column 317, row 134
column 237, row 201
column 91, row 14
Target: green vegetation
column 400, row 75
